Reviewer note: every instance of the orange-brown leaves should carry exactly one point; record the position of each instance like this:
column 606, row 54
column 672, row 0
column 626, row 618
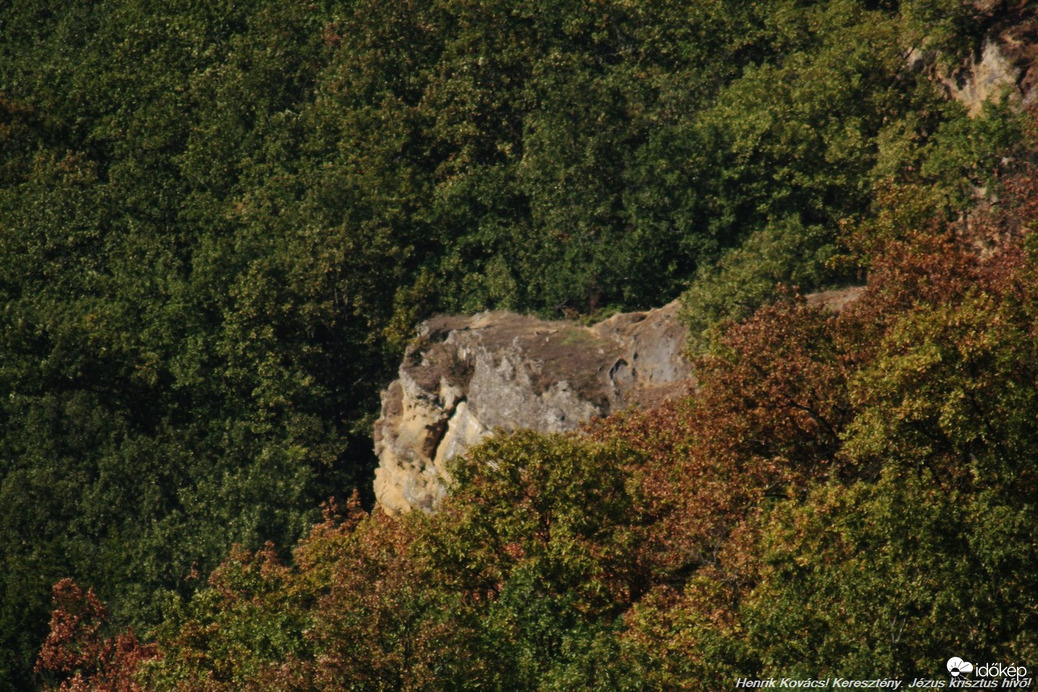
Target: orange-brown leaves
column 829, row 468
column 382, row 620
column 78, row 655
column 555, row 504
column 765, row 420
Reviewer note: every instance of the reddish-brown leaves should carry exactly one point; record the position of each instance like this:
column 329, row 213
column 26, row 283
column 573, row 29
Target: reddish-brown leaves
column 662, row 521
column 78, row 655
column 765, row 420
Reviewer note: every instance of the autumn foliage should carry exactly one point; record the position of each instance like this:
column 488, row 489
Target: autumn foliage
column 79, row 655
column 221, row 223
column 844, row 493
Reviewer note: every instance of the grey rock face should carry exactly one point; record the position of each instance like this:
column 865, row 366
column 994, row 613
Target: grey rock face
column 466, row 377
column 988, row 77
column 1003, row 65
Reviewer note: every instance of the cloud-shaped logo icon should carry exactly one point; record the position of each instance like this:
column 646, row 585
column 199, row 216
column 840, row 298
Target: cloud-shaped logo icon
column 957, row 667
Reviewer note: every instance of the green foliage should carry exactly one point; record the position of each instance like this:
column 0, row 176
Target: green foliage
column 515, row 505
column 802, row 145
column 543, row 529
column 220, row 222
column 844, row 495
column 781, row 254
column 917, row 542
column 890, row 577
column 146, row 424
column 249, row 619
column 944, row 25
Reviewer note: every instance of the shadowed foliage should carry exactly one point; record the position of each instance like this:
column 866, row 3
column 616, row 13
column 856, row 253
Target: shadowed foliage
column 221, row 221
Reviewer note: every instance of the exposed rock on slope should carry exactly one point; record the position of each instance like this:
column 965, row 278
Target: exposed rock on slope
column 467, row 376
column 1005, row 64
column 996, row 72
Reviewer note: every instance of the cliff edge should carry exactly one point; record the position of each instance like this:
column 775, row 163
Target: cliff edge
column 465, row 377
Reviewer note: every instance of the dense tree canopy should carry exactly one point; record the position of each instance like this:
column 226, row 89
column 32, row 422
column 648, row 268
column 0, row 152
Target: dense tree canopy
column 846, row 495
column 220, row 222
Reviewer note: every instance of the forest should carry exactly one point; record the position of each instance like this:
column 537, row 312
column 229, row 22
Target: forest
column 221, row 222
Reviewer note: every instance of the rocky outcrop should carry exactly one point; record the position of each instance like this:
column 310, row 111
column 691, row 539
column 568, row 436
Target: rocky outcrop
column 466, row 377
column 1004, row 64
column 996, row 72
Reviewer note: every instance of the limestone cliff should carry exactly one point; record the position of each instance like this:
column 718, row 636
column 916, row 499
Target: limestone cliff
column 468, row 376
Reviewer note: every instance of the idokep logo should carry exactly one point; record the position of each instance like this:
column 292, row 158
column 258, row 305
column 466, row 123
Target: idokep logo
column 957, row 667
